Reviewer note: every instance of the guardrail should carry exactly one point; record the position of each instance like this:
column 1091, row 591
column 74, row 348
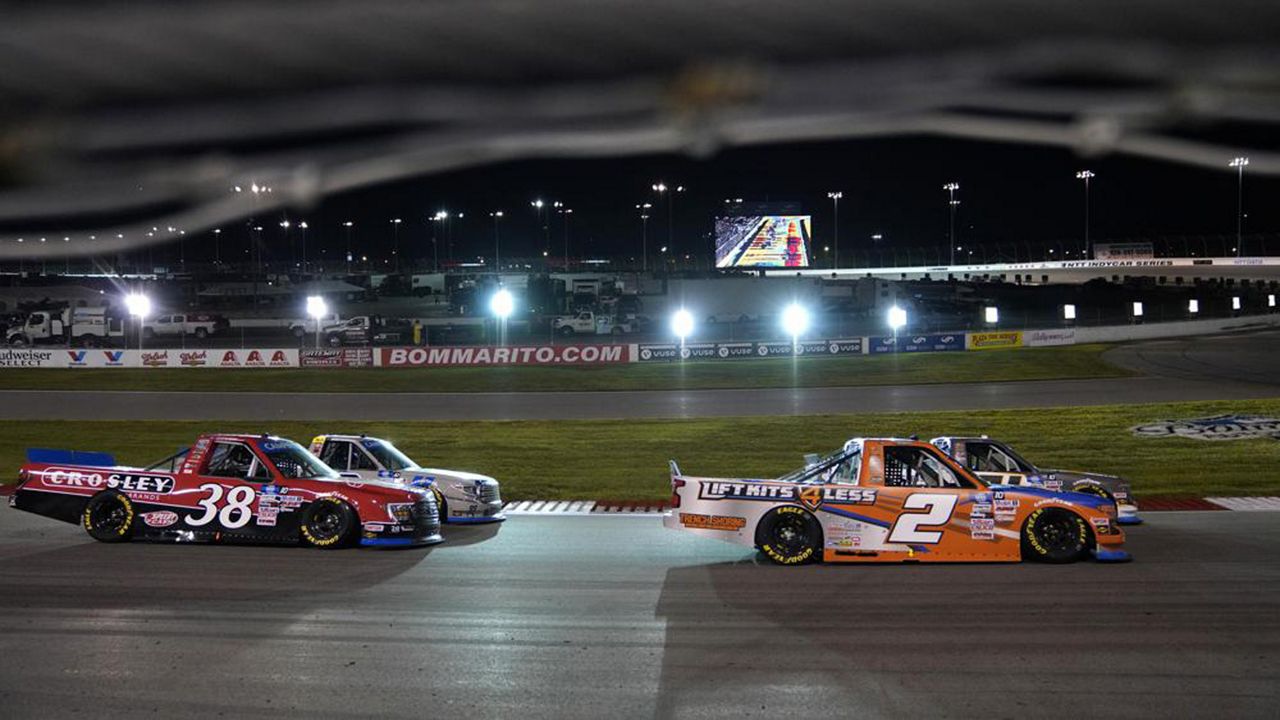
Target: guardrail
column 601, row 354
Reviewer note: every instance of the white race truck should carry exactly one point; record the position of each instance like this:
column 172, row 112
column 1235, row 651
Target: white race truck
column 179, row 325
column 587, row 322
column 87, row 327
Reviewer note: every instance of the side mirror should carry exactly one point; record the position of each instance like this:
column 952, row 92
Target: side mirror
column 811, row 459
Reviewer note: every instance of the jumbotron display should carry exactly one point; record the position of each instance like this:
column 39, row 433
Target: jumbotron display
column 762, row 241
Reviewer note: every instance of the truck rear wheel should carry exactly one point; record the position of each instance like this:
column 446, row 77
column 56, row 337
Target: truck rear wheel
column 201, row 333
column 108, row 517
column 88, row 341
column 789, row 535
column 566, row 331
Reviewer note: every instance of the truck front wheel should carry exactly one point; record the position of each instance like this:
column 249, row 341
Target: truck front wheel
column 201, row 333
column 566, row 331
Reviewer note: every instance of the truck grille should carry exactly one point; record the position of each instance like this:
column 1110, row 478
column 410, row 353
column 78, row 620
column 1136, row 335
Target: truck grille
column 489, row 494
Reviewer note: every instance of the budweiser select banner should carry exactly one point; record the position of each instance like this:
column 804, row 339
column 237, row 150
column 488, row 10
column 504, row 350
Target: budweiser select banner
column 509, row 355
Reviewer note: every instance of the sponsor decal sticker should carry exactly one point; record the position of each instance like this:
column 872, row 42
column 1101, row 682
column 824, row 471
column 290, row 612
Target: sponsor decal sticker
column 160, row 518
column 727, row 523
column 518, row 355
column 811, row 496
column 1219, row 427
column 982, row 529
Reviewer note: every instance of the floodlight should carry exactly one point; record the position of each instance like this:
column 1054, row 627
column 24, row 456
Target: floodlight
column 502, row 304
column 682, row 323
column 1235, row 302
column 897, row 318
column 991, row 314
column 1137, row 309
column 138, row 305
column 795, row 319
column 317, row 307
column 1193, row 306
column 1068, row 312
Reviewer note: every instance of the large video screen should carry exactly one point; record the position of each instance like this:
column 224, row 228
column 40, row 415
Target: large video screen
column 762, row 241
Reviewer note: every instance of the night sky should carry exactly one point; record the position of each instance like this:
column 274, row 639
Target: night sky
column 893, row 187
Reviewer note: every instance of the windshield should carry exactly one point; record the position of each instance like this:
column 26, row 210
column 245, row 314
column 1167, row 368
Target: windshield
column 387, row 455
column 293, row 460
column 830, row 468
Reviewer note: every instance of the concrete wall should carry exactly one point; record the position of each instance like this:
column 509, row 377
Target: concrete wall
column 1120, row 333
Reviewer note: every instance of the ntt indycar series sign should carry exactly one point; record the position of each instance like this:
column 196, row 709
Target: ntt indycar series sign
column 916, row 343
column 747, row 350
column 517, row 355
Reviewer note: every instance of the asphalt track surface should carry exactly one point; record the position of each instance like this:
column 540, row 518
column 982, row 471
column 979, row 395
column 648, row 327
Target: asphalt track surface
column 1227, row 367
column 590, row 617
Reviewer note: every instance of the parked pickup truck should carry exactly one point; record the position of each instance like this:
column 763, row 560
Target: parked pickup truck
column 587, row 322
column 179, row 325
column 359, row 330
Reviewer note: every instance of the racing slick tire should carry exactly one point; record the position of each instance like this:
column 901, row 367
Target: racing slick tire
column 1092, row 489
column 108, row 517
column 329, row 523
column 1055, row 535
column 789, row 535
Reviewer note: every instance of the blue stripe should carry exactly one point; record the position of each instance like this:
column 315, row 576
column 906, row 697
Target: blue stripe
column 400, row 542
column 1111, row 555
column 855, row 516
column 476, row 520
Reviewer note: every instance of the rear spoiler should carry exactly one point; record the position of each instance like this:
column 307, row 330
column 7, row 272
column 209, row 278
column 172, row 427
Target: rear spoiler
column 70, row 457
column 675, row 469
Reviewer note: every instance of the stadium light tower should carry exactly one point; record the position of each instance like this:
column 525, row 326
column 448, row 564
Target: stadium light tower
column 670, row 191
column 139, row 306
column 1086, row 176
column 1239, row 164
column 497, row 248
column 952, row 203
column 644, row 233
column 302, row 230
column 348, row 225
column 835, row 226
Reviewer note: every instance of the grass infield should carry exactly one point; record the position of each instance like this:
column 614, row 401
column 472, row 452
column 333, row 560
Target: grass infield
column 613, row 459
column 1060, row 363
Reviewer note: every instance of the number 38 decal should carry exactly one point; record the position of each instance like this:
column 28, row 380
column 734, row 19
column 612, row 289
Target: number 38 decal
column 937, row 511
column 235, row 513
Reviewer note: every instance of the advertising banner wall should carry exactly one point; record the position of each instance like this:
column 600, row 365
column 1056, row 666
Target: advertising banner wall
column 1041, row 338
column 32, row 358
column 1124, row 251
column 233, row 358
column 730, row 351
column 994, row 340
column 916, row 343
column 100, row 358
column 337, row 357
column 462, row 356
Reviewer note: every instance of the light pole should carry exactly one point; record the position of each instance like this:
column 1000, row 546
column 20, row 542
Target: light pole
column 670, row 191
column 284, row 226
column 395, row 241
column 539, row 211
column 952, row 202
column 1238, row 164
column 566, row 212
column 217, row 247
column 1086, row 176
column 348, row 225
column 644, row 235
column 835, row 226
column 497, row 249
column 302, row 228
column 441, row 216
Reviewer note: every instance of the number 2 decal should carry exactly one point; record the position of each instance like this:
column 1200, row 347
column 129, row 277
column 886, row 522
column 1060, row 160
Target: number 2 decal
column 938, row 509
column 238, row 502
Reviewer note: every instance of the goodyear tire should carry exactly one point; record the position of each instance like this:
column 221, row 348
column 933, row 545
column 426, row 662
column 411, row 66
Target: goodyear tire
column 1055, row 535
column 108, row 517
column 1091, row 489
column 789, row 535
column 329, row 523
